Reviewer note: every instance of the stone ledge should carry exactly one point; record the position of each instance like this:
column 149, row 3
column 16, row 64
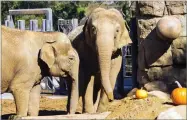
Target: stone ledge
column 70, row 116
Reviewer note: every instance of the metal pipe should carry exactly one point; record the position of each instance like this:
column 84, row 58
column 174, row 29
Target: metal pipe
column 46, row 11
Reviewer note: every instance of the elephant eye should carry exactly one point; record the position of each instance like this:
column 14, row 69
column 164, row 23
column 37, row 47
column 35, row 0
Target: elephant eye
column 71, row 57
column 93, row 29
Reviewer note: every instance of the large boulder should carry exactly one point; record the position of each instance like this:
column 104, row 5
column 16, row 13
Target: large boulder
column 168, row 28
column 176, row 7
column 179, row 56
column 183, row 20
column 159, row 73
column 178, row 74
column 142, row 77
column 154, row 53
column 161, row 62
column 178, row 49
column 153, row 8
column 180, row 43
column 160, row 94
column 156, row 86
column 178, row 112
column 145, row 25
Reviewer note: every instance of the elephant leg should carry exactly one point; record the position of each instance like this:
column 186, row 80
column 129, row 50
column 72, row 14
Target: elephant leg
column 88, row 97
column 115, row 68
column 97, row 91
column 34, row 101
column 73, row 96
column 97, row 100
column 21, row 86
column 69, row 84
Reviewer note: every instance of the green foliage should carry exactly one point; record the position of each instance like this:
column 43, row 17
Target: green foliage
column 61, row 9
column 29, row 17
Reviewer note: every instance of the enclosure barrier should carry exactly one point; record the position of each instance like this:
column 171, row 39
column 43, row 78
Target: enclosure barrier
column 33, row 25
column 46, row 11
column 67, row 26
column 9, row 22
column 47, row 24
column 21, row 24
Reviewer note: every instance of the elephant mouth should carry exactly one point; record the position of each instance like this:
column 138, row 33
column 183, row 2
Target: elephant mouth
column 116, row 53
column 63, row 74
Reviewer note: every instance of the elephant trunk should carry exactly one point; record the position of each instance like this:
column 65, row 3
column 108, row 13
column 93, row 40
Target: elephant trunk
column 104, row 47
column 74, row 94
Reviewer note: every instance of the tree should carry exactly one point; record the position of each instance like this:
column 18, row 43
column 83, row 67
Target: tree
column 61, row 9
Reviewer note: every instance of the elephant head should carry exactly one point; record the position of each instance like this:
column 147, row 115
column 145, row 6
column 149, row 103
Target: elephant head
column 105, row 32
column 62, row 60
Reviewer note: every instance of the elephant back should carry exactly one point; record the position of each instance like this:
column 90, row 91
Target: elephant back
column 75, row 33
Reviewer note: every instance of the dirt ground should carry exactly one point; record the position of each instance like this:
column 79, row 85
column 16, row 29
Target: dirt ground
column 127, row 108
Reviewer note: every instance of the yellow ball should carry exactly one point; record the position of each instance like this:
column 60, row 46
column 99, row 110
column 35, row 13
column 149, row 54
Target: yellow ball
column 140, row 93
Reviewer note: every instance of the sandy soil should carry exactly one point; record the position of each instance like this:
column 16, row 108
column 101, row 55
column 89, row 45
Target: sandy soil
column 127, row 108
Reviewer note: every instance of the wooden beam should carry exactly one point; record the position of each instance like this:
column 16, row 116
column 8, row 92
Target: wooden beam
column 70, row 116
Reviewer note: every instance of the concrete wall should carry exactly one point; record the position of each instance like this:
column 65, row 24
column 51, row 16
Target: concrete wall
column 160, row 63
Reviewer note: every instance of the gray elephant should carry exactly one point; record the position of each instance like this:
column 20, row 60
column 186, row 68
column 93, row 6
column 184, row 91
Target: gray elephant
column 29, row 56
column 99, row 44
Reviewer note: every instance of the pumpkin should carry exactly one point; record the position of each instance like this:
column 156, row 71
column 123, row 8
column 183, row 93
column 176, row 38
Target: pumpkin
column 178, row 95
column 140, row 93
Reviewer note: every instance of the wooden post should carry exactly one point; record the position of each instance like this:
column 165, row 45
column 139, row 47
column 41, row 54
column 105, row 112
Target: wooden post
column 48, row 25
column 7, row 22
column 34, row 25
column 74, row 23
column 21, row 24
column 43, row 25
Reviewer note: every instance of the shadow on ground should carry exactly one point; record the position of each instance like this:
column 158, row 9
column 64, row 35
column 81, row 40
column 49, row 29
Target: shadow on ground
column 41, row 113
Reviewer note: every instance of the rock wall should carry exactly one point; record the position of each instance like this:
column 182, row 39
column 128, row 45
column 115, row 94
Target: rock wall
column 159, row 62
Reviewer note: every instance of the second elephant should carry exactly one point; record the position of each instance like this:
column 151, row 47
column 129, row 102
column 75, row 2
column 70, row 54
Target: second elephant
column 99, row 44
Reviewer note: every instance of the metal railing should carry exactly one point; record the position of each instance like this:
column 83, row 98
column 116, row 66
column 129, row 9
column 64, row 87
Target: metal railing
column 47, row 24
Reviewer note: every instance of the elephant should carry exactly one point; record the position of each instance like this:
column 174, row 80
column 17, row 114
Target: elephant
column 98, row 43
column 27, row 57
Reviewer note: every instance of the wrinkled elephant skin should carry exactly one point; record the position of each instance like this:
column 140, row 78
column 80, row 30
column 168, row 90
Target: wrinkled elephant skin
column 29, row 56
column 99, row 48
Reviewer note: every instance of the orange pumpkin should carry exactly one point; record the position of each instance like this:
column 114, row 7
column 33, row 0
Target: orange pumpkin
column 140, row 93
column 178, row 95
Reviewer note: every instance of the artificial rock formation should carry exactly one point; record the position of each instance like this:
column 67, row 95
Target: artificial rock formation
column 160, row 62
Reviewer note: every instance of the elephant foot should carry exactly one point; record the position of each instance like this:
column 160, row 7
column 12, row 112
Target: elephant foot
column 89, row 110
column 14, row 117
column 101, row 108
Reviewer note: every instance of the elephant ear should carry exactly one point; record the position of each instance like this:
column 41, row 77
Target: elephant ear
column 47, row 54
column 125, row 38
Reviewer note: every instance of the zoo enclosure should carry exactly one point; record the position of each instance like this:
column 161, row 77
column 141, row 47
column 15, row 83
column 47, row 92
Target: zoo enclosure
column 128, row 75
